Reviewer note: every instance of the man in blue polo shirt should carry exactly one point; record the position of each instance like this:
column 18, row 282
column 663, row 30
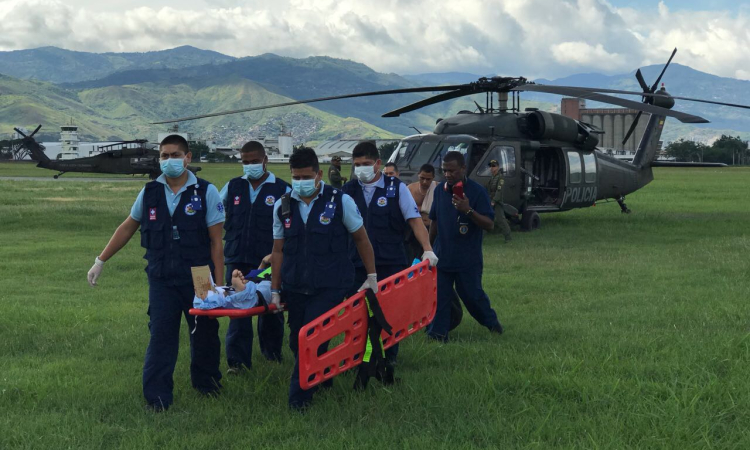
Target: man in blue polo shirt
column 249, row 201
column 180, row 217
column 457, row 230
column 311, row 267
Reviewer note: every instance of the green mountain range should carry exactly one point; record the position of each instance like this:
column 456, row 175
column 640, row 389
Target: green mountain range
column 125, row 112
column 57, row 65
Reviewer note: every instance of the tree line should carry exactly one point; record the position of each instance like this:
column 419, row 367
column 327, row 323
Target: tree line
column 727, row 149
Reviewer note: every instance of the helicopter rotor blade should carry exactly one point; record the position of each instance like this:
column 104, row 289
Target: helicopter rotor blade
column 20, row 132
column 651, row 95
column 35, row 130
column 632, row 127
column 596, row 96
column 656, row 83
column 321, row 99
column 428, row 101
column 641, row 80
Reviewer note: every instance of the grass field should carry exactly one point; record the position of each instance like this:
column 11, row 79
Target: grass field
column 622, row 331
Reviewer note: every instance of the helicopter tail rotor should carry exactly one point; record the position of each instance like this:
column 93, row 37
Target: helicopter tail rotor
column 648, row 99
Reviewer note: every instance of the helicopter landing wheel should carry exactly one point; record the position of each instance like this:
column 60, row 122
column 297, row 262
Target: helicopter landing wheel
column 56, row 177
column 623, row 207
column 530, row 221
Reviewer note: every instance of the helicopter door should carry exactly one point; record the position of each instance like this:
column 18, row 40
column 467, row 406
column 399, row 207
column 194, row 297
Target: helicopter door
column 581, row 188
column 505, row 155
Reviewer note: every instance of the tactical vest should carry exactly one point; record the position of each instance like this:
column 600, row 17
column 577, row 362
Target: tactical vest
column 315, row 253
column 384, row 223
column 249, row 226
column 177, row 243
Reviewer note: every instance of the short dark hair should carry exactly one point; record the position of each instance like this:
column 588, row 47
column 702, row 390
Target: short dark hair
column 253, row 146
column 175, row 139
column 304, row 157
column 455, row 156
column 366, row 149
column 427, row 168
column 391, row 164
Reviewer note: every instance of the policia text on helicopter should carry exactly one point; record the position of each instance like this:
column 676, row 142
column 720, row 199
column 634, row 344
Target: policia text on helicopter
column 190, row 235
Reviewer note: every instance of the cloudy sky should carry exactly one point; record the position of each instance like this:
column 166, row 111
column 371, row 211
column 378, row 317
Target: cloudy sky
column 533, row 38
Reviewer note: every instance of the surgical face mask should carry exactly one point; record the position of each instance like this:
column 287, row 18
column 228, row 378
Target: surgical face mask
column 172, row 167
column 253, row 171
column 365, row 173
column 304, row 188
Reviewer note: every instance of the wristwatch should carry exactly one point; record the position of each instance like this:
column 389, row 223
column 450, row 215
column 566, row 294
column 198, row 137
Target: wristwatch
column 469, row 212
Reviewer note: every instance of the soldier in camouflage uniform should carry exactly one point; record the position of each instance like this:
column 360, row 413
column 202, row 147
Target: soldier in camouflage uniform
column 495, row 189
column 334, row 173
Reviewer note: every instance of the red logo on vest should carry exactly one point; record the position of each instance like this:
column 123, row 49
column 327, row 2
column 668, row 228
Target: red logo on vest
column 236, row 200
column 288, row 223
column 152, row 214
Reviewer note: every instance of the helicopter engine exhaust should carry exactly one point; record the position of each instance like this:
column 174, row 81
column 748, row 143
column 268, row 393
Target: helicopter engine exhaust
column 542, row 125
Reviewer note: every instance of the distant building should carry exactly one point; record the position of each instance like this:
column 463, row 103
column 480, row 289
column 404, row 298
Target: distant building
column 69, row 142
column 615, row 122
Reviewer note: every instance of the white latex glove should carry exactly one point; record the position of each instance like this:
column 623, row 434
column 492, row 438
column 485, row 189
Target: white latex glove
column 276, row 300
column 95, row 271
column 431, row 257
column 370, row 283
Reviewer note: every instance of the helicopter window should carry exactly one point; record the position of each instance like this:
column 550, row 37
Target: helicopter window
column 422, row 155
column 589, row 164
column 505, row 155
column 574, row 160
column 461, row 147
column 403, row 152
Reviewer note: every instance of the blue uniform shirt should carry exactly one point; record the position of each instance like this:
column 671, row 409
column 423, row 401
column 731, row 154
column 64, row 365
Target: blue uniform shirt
column 459, row 240
column 406, row 202
column 352, row 219
column 214, row 213
column 253, row 192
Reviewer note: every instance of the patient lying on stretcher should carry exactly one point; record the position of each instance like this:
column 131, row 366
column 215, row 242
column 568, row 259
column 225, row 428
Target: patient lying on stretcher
column 243, row 294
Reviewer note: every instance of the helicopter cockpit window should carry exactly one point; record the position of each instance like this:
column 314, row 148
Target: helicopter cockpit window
column 423, row 155
column 505, row 155
column 461, row 147
column 403, row 152
column 589, row 164
column 574, row 160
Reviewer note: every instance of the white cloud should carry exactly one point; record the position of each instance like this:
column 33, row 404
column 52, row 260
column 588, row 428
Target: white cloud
column 519, row 37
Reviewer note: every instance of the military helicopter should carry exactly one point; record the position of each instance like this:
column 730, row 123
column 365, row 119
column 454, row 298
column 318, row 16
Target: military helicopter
column 551, row 162
column 125, row 157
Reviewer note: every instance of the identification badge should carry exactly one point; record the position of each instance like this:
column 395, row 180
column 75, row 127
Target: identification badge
column 330, row 210
column 175, row 233
column 152, row 214
column 463, row 228
column 197, row 203
column 390, row 191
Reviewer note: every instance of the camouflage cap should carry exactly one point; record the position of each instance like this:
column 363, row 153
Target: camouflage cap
column 336, row 158
column 493, row 163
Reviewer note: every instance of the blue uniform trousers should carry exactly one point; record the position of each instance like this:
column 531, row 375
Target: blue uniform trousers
column 239, row 340
column 303, row 309
column 383, row 271
column 166, row 305
column 469, row 288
